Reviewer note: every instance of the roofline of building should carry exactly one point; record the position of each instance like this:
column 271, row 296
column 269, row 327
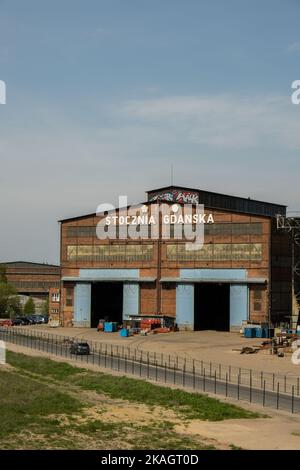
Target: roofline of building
column 94, row 214
column 214, row 193
column 30, row 262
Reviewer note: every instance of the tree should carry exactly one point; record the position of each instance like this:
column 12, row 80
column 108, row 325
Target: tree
column 3, row 277
column 14, row 306
column 45, row 308
column 9, row 301
column 29, row 307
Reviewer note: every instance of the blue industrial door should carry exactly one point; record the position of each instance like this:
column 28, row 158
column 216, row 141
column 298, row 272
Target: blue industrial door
column 82, row 305
column 131, row 300
column 185, row 306
column 238, row 305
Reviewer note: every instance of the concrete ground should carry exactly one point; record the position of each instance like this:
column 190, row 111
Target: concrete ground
column 209, row 346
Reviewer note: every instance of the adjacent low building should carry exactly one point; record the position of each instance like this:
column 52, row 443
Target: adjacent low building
column 32, row 279
column 242, row 272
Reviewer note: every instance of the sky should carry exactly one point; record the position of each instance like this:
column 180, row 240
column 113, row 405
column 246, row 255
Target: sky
column 103, row 96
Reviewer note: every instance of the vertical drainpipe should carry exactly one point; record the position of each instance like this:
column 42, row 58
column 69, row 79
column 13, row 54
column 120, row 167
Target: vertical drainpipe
column 158, row 278
column 270, row 274
column 61, row 316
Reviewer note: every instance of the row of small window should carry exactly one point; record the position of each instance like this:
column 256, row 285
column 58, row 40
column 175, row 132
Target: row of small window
column 55, row 297
column 110, row 252
column 225, row 229
column 178, row 252
column 33, row 284
column 216, row 252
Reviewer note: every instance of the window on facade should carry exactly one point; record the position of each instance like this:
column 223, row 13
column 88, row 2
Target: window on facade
column 216, row 252
column 55, row 297
column 257, row 306
column 217, row 229
column 111, row 252
column 33, row 284
column 69, row 297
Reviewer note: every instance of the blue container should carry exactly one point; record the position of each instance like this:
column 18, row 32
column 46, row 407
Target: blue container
column 249, row 332
column 260, row 332
column 110, row 327
column 124, row 332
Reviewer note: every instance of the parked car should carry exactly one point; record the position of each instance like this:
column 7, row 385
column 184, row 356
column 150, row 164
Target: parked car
column 36, row 319
column 5, row 322
column 80, row 348
column 26, row 320
column 17, row 321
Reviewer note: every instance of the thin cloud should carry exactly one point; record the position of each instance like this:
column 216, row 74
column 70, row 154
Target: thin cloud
column 228, row 121
column 294, row 47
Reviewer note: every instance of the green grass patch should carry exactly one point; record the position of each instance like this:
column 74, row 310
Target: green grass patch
column 42, row 366
column 26, row 403
column 189, row 405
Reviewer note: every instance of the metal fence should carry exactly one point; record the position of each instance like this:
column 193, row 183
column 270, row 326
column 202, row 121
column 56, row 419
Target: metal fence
column 263, row 388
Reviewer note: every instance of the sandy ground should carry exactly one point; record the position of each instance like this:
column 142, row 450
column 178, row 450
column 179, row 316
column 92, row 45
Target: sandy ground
column 213, row 346
column 278, row 431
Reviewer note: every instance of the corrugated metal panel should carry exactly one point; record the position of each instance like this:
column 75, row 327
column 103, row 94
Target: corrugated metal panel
column 82, row 305
column 238, row 305
column 185, row 306
column 131, row 300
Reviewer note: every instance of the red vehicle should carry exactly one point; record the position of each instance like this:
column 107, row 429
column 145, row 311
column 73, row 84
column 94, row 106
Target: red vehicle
column 6, row 322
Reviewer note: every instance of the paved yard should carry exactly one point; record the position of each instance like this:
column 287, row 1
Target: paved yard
column 213, row 346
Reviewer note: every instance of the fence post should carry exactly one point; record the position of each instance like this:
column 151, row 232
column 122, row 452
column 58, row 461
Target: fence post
column 194, row 376
column 298, row 386
column 250, row 387
column 277, row 398
column 273, row 384
column 165, row 372
column 156, row 370
column 204, row 379
column 226, row 385
column 215, row 382
column 174, row 373
column 148, row 367
column 293, row 390
column 238, row 387
column 264, row 394
column 183, row 375
column 285, row 384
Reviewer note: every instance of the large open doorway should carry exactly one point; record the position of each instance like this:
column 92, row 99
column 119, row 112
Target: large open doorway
column 106, row 302
column 212, row 310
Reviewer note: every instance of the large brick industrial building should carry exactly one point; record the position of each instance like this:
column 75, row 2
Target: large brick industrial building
column 32, row 279
column 243, row 271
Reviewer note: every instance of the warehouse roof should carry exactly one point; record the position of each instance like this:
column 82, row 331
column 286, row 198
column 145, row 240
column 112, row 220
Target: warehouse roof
column 210, row 200
column 214, row 200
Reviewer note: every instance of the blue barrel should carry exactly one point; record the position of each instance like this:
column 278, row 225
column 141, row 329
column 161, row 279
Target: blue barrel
column 109, row 327
column 124, row 332
column 249, row 332
column 259, row 332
